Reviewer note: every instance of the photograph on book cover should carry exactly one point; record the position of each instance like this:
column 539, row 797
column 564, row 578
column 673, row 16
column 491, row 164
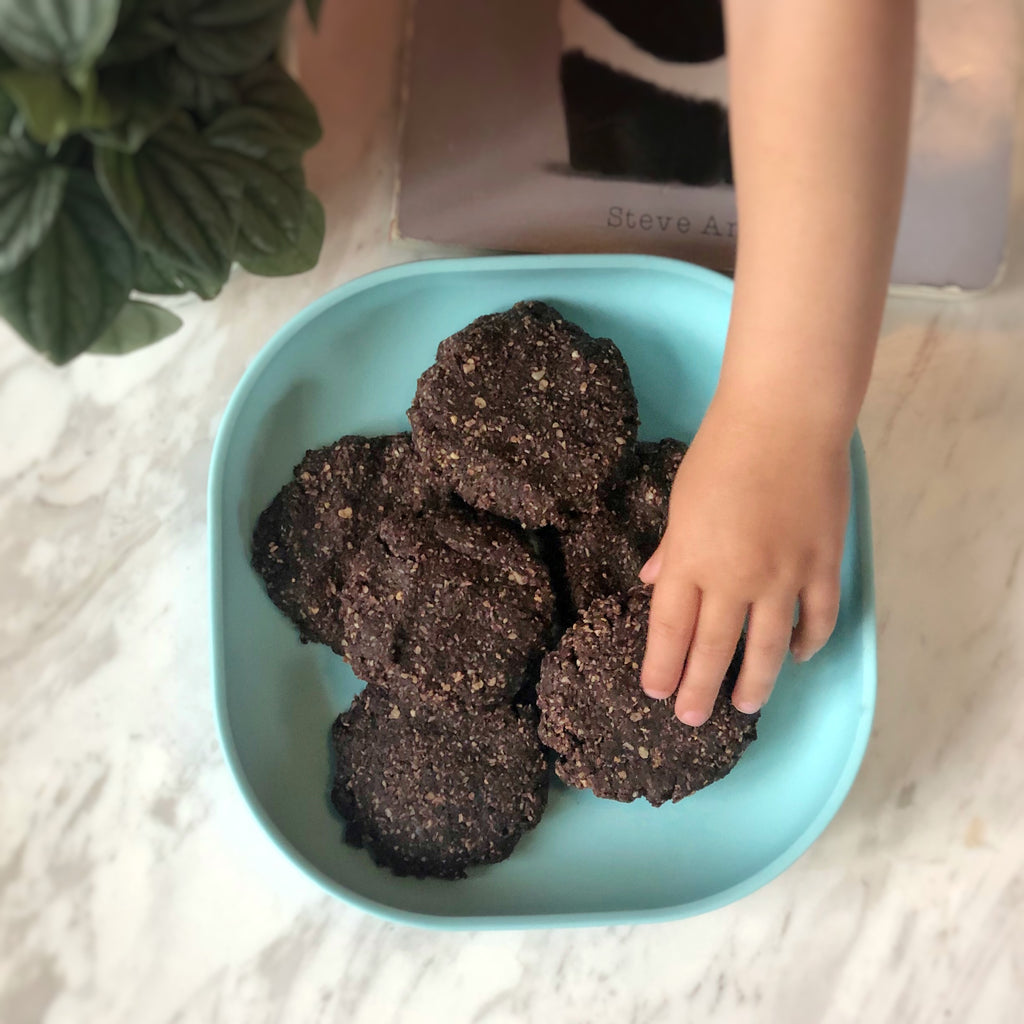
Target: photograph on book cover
column 602, row 125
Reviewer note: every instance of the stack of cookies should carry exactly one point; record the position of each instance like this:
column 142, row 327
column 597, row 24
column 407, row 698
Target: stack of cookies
column 445, row 566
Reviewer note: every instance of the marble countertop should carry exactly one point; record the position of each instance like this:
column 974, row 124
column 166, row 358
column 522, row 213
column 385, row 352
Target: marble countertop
column 136, row 888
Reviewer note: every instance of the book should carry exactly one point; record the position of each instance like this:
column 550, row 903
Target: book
column 602, row 125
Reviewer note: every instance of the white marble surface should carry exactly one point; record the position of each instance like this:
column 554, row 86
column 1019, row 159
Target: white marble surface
column 135, row 888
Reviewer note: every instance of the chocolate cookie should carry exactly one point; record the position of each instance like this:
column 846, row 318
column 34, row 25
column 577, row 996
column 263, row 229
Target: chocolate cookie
column 306, row 539
column 609, row 736
column 605, row 551
column 525, row 415
column 429, row 791
column 452, row 604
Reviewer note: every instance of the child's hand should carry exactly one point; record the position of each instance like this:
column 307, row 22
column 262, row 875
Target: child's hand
column 756, row 525
column 819, row 113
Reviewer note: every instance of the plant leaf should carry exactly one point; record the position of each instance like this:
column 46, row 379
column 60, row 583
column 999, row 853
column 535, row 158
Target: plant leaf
column 136, row 39
column 132, row 9
column 156, row 276
column 271, row 89
column 68, row 291
column 296, row 258
column 313, row 10
column 57, row 34
column 31, row 193
column 226, row 37
column 203, row 94
column 49, row 106
column 176, row 198
column 248, row 131
column 8, row 109
column 272, row 207
column 137, row 325
column 130, row 134
column 138, row 94
column 140, row 32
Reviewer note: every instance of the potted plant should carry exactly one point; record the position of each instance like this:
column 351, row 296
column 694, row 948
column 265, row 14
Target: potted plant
column 146, row 146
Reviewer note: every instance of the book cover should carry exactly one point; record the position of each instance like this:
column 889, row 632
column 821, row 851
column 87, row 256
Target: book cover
column 602, row 125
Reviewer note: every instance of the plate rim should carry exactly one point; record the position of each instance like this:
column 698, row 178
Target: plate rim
column 484, row 922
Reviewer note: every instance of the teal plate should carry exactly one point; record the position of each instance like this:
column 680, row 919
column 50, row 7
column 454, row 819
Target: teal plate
column 349, row 364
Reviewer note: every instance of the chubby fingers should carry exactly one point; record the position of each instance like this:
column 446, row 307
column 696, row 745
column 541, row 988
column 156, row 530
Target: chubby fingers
column 674, row 606
column 715, row 637
column 819, row 610
column 769, row 630
column 692, row 638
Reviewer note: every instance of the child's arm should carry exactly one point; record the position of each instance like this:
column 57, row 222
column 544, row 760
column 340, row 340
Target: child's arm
column 820, row 99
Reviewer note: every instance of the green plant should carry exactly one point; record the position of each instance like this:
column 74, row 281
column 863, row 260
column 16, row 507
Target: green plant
column 145, row 147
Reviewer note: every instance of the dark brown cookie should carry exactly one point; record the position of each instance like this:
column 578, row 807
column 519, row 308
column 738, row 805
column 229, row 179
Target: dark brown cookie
column 613, row 739
column 306, row 539
column 605, row 551
column 452, row 604
column 430, row 791
column 527, row 416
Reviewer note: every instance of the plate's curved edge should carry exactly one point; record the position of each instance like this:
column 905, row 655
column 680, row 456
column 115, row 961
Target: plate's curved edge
column 233, row 409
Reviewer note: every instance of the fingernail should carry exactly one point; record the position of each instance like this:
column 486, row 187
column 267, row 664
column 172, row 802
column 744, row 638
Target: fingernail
column 654, row 695
column 748, row 707
column 693, row 718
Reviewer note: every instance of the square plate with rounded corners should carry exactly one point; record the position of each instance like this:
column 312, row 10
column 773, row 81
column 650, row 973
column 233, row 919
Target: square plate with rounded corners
column 349, row 364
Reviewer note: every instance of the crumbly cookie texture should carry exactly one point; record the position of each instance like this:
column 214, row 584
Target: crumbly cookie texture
column 305, row 540
column 612, row 738
column 604, row 552
column 527, row 416
column 430, row 791
column 452, row 604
